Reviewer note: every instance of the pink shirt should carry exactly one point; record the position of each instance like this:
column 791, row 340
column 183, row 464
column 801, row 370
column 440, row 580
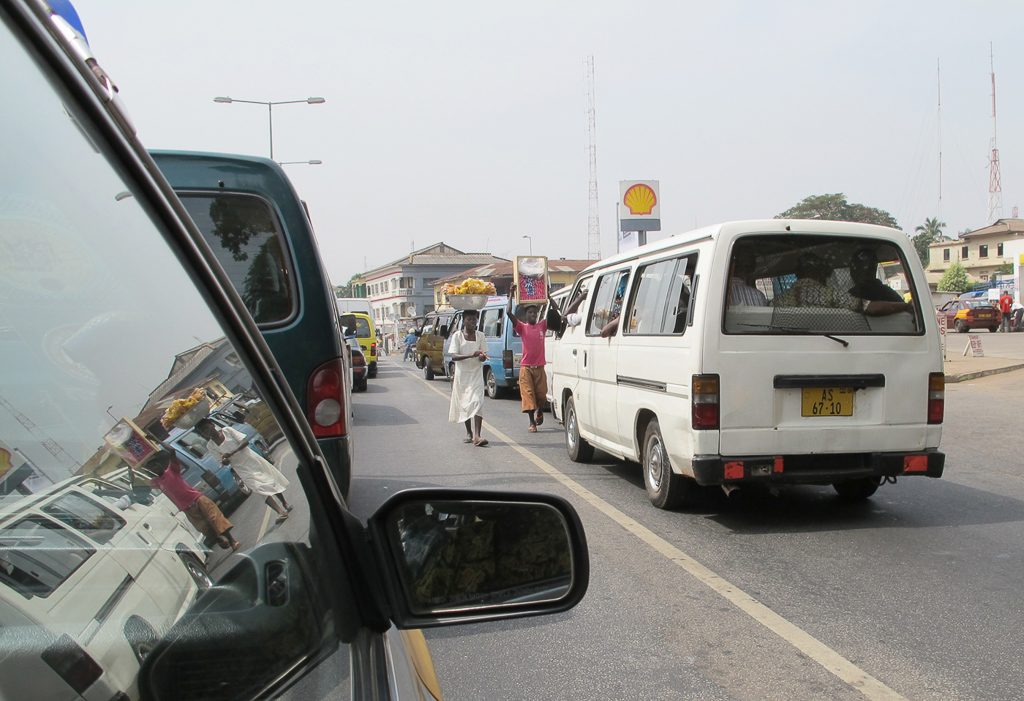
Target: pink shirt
column 176, row 488
column 533, row 341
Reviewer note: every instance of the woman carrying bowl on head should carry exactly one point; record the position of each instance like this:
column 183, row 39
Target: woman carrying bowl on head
column 468, row 350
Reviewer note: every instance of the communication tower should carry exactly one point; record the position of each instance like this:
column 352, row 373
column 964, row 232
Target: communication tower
column 995, row 180
column 594, row 221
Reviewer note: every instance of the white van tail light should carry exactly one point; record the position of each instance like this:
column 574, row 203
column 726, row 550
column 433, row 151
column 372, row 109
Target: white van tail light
column 325, row 400
column 704, row 402
column 72, row 663
column 936, row 397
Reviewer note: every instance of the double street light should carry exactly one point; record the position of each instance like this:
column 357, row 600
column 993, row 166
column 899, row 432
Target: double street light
column 270, row 109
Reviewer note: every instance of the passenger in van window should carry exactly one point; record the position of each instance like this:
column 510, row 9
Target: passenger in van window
column 742, row 292
column 572, row 315
column 199, row 509
column 811, row 288
column 872, row 296
column 468, row 349
column 612, row 325
column 257, row 473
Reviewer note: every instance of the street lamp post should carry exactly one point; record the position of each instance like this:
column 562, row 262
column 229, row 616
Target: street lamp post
column 270, row 109
column 527, row 236
column 305, row 163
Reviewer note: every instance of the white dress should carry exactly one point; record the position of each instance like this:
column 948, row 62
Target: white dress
column 257, row 473
column 468, row 386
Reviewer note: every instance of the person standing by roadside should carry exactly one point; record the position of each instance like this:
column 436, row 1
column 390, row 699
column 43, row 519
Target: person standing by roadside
column 258, row 474
column 533, row 383
column 468, row 350
column 1006, row 307
column 198, row 508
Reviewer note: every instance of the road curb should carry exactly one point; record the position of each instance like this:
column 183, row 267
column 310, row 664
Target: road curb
column 963, row 377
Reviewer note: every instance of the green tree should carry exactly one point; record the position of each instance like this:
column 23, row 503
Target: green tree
column 834, row 207
column 927, row 233
column 954, row 279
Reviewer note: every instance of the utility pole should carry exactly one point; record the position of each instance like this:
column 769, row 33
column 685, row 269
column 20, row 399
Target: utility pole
column 594, row 220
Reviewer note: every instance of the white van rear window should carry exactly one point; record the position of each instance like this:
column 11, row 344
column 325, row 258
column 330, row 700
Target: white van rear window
column 819, row 284
column 37, row 555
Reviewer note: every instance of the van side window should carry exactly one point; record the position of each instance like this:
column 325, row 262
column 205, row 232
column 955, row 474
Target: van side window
column 194, row 444
column 244, row 234
column 608, row 299
column 85, row 515
column 662, row 298
column 37, row 555
column 490, row 322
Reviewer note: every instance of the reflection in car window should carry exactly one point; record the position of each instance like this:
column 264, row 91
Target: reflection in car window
column 37, row 556
column 85, row 516
column 611, row 289
column 662, row 298
column 244, row 234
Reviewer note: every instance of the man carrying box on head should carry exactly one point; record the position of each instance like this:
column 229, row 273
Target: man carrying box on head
column 533, row 383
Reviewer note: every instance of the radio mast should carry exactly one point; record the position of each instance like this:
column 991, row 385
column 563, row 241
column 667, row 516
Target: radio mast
column 594, row 220
column 995, row 184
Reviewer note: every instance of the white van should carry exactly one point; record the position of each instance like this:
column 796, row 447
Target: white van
column 775, row 351
column 93, row 585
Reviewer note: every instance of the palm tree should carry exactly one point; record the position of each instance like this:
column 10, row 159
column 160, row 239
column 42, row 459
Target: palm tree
column 928, row 232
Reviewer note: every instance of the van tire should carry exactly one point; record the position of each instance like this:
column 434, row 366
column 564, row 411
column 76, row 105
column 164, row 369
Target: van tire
column 491, row 384
column 857, row 489
column 577, row 446
column 141, row 636
column 428, row 372
column 196, row 570
column 665, row 488
column 961, row 327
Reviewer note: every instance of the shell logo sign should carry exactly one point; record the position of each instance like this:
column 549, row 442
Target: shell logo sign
column 639, row 206
column 640, row 199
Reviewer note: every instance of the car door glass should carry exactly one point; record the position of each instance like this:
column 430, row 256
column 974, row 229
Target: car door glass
column 108, row 348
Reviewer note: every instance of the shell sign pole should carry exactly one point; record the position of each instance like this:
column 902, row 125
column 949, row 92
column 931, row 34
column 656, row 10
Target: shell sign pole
column 639, row 212
column 531, row 278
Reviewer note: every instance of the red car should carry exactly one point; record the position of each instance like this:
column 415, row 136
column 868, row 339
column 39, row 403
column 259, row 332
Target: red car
column 965, row 314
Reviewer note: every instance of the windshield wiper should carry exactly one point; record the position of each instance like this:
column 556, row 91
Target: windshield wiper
column 800, row 331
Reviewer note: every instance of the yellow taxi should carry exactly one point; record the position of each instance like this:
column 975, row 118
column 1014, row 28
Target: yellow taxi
column 361, row 326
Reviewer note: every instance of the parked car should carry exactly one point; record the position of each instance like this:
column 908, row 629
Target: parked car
column 259, row 230
column 361, row 326
column 94, row 607
column 360, row 371
column 431, row 339
column 966, row 314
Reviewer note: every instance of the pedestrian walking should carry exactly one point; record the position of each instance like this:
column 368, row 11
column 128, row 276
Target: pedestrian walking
column 468, row 350
column 1006, row 307
column 256, row 472
column 410, row 345
column 197, row 507
column 533, row 383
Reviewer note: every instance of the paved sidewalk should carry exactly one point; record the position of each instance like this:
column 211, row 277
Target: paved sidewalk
column 959, row 369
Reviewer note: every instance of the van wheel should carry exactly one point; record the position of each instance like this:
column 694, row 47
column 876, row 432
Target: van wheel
column 960, row 326
column 428, row 372
column 579, row 449
column 856, row 490
column 665, row 488
column 196, row 570
column 491, row 384
column 420, row 361
column 993, row 329
column 360, row 385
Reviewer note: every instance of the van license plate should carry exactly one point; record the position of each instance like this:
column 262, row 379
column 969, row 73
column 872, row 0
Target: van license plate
column 827, row 401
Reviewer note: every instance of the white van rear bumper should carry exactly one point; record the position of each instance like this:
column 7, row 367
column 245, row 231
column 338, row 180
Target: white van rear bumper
column 819, row 468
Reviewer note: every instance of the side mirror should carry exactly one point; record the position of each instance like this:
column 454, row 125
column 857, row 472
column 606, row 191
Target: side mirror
column 452, row 556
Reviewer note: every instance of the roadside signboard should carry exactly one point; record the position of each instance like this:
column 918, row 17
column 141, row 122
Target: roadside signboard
column 974, row 346
column 639, row 212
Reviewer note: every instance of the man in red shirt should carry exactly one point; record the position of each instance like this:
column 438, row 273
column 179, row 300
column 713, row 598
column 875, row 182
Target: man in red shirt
column 1006, row 307
column 198, row 508
column 533, row 383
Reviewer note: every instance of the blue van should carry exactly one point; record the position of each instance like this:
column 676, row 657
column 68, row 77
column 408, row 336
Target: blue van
column 204, row 471
column 250, row 215
column 504, row 348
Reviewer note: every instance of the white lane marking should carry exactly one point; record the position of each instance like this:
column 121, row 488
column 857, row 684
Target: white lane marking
column 265, row 525
column 803, row 641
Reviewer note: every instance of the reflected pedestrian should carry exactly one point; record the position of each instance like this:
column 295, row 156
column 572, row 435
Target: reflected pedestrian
column 197, row 507
column 256, row 472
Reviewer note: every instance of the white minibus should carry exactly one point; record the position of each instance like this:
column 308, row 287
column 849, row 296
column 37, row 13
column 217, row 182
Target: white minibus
column 773, row 352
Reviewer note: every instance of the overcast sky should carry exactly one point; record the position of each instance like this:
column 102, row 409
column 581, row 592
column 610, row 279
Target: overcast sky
column 465, row 121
